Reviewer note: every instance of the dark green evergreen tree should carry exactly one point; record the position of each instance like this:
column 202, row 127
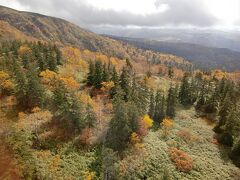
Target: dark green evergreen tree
column 139, row 94
column 35, row 91
column 21, row 87
column 67, row 109
column 171, row 103
column 52, row 62
column 124, row 83
column 91, row 74
column 185, row 97
column 98, row 75
column 105, row 76
column 115, row 80
column 58, row 55
column 119, row 130
column 151, row 110
column 160, row 111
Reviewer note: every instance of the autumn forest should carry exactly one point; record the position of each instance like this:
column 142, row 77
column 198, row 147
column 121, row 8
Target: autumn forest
column 105, row 109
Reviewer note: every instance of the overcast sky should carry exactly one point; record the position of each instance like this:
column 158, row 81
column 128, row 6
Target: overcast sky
column 138, row 13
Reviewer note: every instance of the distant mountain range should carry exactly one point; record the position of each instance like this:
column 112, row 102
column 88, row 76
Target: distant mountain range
column 202, row 56
column 229, row 39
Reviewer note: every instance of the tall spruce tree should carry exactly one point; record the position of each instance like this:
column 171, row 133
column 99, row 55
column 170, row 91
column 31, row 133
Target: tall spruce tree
column 67, row 109
column 115, row 80
column 119, row 130
column 105, row 76
column 151, row 110
column 98, row 75
column 21, row 86
column 185, row 91
column 124, row 83
column 35, row 91
column 171, row 103
column 91, row 73
column 159, row 108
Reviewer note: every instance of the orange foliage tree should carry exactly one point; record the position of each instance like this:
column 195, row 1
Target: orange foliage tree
column 70, row 83
column 48, row 78
column 6, row 85
column 23, row 50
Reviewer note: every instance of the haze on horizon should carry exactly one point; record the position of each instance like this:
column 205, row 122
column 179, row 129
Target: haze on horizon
column 200, row 14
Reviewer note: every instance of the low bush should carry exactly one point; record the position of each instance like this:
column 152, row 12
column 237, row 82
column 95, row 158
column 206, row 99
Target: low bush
column 182, row 160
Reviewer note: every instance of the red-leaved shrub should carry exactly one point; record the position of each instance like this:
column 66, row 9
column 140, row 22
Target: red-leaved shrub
column 182, row 160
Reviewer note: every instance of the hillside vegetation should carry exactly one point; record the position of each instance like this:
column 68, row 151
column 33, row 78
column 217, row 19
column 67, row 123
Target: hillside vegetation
column 31, row 26
column 68, row 112
column 75, row 114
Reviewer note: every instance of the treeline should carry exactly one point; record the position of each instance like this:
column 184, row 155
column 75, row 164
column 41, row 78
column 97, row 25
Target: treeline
column 43, row 56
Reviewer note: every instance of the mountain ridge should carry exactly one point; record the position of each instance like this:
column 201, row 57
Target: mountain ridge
column 204, row 57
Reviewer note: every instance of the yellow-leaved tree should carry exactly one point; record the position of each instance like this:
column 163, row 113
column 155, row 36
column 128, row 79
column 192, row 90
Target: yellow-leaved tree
column 6, row 85
column 148, row 122
column 166, row 124
column 145, row 123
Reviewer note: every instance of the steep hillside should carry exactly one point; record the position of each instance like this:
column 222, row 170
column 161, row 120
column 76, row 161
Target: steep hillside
column 55, row 29
column 203, row 57
column 8, row 32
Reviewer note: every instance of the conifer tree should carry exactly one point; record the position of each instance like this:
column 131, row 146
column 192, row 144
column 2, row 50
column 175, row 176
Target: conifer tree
column 119, row 130
column 114, row 77
column 91, row 73
column 151, row 111
column 52, row 62
column 159, row 108
column 105, row 76
column 139, row 94
column 133, row 114
column 185, row 91
column 58, row 55
column 115, row 80
column 98, row 75
column 68, row 109
column 21, row 87
column 124, row 83
column 90, row 117
column 171, row 103
column 35, row 91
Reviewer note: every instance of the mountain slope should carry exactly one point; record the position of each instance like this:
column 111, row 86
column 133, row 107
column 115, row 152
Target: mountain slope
column 203, row 57
column 57, row 30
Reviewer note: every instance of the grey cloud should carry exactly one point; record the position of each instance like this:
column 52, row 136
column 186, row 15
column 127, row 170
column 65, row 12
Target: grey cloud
column 184, row 12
